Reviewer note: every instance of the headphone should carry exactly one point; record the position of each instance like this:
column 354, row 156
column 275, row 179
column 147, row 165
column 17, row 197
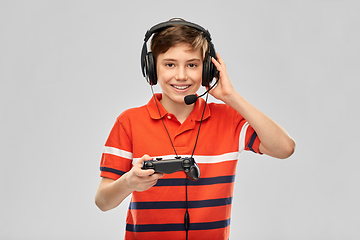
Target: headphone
column 148, row 63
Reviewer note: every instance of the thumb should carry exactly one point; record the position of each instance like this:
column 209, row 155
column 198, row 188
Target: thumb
column 144, row 172
column 144, row 158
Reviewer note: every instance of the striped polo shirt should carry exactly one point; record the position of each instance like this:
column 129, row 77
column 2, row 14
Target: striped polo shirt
column 158, row 213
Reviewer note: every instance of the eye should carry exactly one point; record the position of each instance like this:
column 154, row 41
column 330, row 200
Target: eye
column 170, row 65
column 192, row 65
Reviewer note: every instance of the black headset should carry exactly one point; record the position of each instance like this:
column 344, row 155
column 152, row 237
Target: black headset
column 148, row 64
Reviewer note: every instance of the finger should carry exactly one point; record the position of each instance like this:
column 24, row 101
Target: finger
column 158, row 175
column 145, row 158
column 217, row 64
column 144, row 172
column 155, row 177
column 152, row 176
column 220, row 60
column 146, row 186
column 215, row 61
column 142, row 159
column 218, row 57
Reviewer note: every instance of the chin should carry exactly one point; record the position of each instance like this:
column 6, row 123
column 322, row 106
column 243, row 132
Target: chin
column 179, row 99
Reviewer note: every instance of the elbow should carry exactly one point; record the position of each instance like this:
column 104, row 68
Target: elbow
column 101, row 207
column 100, row 204
column 288, row 149
column 281, row 150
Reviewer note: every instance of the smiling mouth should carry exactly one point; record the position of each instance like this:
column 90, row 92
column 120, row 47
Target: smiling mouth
column 181, row 87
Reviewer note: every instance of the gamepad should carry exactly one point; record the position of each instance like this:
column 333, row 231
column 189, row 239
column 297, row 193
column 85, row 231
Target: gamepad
column 168, row 166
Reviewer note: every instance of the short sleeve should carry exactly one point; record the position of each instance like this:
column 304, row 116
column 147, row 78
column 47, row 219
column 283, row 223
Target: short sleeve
column 117, row 155
column 248, row 138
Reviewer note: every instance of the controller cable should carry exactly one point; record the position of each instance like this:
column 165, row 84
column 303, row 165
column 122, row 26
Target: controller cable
column 186, row 216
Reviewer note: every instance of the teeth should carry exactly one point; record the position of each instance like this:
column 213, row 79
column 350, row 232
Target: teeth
column 181, row 87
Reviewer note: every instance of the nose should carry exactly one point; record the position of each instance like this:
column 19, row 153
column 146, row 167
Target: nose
column 181, row 74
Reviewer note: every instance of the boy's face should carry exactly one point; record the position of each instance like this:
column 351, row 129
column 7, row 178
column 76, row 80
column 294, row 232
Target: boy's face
column 179, row 72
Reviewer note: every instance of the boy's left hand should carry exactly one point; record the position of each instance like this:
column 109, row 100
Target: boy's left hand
column 224, row 88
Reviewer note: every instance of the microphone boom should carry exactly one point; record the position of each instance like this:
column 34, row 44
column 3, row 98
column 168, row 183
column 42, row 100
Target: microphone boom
column 190, row 99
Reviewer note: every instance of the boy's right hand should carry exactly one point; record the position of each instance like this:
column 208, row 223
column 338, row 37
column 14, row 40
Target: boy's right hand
column 139, row 179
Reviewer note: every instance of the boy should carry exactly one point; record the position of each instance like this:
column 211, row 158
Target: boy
column 168, row 206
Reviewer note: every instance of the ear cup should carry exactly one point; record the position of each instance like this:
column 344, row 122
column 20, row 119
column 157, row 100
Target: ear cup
column 150, row 68
column 208, row 72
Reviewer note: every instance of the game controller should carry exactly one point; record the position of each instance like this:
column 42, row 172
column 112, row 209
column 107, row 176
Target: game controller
column 168, row 166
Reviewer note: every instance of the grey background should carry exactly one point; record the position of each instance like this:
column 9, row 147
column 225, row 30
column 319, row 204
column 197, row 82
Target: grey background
column 69, row 68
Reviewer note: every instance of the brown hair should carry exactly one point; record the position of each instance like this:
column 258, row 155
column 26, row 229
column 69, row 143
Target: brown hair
column 170, row 37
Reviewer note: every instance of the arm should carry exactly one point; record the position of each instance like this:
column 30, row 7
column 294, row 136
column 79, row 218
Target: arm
column 111, row 193
column 275, row 141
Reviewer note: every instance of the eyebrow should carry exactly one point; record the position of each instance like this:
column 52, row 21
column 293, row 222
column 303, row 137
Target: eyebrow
column 174, row 60
column 194, row 59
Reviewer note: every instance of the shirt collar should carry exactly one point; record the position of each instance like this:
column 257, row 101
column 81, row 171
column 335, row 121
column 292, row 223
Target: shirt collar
column 195, row 114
